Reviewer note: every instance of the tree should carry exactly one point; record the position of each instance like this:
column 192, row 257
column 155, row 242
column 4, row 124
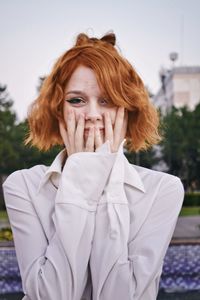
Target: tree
column 181, row 146
column 7, row 123
column 14, row 155
column 147, row 159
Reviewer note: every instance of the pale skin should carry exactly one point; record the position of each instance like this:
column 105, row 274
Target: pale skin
column 89, row 118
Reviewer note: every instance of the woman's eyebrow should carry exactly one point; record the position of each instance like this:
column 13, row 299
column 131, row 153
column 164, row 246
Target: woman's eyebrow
column 76, row 92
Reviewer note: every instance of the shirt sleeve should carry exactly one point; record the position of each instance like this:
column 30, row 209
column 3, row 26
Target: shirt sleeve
column 131, row 269
column 57, row 268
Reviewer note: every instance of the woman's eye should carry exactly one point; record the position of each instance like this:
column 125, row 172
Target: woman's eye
column 104, row 101
column 75, row 100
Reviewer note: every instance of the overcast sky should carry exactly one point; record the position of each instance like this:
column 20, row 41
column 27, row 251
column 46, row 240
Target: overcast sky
column 35, row 32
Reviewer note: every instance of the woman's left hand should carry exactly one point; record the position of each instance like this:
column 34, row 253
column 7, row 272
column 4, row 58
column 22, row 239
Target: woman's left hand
column 116, row 135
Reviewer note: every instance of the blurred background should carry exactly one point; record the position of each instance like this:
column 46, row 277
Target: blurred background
column 161, row 40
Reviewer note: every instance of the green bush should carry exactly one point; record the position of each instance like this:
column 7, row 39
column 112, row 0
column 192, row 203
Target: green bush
column 192, row 199
column 6, row 234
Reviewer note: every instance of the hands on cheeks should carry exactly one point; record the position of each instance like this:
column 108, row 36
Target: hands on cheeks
column 75, row 140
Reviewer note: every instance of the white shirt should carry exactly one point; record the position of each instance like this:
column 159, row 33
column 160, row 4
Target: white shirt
column 98, row 229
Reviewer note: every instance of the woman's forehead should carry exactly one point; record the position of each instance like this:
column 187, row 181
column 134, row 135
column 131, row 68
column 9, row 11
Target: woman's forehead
column 83, row 79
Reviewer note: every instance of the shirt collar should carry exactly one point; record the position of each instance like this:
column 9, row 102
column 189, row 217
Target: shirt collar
column 131, row 176
column 55, row 168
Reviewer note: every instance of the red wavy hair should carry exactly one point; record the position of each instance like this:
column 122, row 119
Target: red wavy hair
column 117, row 79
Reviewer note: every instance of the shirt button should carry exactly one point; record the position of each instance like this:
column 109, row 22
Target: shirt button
column 92, row 204
column 113, row 234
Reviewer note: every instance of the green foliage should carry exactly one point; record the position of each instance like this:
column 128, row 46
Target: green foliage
column 29, row 156
column 192, row 199
column 14, row 154
column 181, row 146
column 7, row 123
column 3, row 215
column 6, row 234
column 145, row 159
column 187, row 211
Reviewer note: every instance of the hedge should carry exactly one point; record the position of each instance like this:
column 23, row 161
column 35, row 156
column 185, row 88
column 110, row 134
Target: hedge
column 192, row 199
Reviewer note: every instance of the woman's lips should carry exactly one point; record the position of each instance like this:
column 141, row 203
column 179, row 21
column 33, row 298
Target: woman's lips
column 86, row 130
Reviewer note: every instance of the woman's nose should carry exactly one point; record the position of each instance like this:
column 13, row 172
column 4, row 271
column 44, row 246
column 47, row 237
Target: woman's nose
column 93, row 113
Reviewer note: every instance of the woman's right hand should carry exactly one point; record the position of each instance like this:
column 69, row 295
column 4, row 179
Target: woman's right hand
column 73, row 134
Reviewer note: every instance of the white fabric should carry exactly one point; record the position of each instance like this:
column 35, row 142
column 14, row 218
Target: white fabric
column 98, row 229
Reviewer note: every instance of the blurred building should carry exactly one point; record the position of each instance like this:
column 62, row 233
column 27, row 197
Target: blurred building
column 180, row 86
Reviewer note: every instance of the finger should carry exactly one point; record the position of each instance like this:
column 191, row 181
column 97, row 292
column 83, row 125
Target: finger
column 125, row 124
column 63, row 134
column 79, row 135
column 71, row 126
column 119, row 121
column 89, row 147
column 97, row 138
column 108, row 127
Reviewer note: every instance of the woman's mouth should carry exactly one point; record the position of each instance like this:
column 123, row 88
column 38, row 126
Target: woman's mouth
column 86, row 131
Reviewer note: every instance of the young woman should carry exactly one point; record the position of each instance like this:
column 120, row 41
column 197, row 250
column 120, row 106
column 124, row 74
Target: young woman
column 92, row 226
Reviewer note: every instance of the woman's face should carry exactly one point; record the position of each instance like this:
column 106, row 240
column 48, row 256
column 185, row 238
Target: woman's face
column 83, row 95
